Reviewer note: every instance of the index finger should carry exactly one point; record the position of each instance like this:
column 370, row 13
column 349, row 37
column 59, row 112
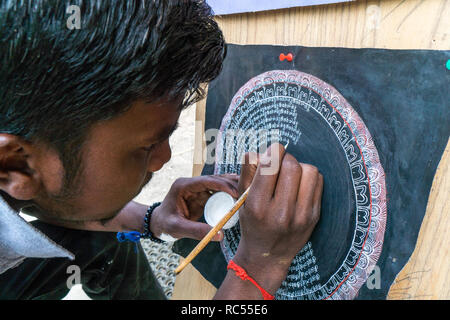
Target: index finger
column 266, row 175
column 248, row 170
column 213, row 183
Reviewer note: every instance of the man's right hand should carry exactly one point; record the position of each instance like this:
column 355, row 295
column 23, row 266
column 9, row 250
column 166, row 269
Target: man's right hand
column 279, row 215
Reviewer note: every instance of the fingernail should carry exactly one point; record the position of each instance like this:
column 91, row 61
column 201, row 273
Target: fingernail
column 3, row 141
column 218, row 236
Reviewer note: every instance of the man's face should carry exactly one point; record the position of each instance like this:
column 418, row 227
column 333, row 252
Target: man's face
column 118, row 159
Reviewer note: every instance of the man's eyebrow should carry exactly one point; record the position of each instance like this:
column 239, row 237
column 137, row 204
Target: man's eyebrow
column 166, row 133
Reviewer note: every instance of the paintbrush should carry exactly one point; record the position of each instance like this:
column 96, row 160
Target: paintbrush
column 202, row 244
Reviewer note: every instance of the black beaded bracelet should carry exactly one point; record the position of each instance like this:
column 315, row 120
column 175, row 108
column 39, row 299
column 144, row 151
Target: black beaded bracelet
column 147, row 233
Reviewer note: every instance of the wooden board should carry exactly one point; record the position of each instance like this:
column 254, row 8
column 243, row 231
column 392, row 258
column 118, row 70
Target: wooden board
column 394, row 24
column 389, row 24
column 426, row 275
column 190, row 285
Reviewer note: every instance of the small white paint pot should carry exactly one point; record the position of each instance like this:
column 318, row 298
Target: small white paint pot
column 217, row 206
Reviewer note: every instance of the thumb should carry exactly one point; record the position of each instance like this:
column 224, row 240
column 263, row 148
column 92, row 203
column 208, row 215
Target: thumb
column 196, row 230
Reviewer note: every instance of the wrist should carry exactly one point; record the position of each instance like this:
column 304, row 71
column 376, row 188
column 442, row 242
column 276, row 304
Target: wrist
column 131, row 217
column 155, row 227
column 263, row 269
column 242, row 273
column 148, row 221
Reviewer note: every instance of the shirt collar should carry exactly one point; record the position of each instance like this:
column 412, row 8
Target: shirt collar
column 20, row 238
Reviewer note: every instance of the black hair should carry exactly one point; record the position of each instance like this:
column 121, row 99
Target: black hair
column 56, row 81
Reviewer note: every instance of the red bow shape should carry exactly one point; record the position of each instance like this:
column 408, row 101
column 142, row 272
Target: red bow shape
column 288, row 57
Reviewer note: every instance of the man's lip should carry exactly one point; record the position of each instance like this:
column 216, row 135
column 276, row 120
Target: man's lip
column 146, row 181
column 148, row 178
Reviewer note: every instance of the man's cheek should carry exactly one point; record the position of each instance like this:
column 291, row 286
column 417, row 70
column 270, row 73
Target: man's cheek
column 51, row 171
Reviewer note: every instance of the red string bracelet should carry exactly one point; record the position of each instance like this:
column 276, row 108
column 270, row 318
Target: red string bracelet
column 241, row 273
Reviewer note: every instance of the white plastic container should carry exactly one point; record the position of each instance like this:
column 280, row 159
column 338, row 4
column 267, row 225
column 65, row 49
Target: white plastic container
column 217, row 206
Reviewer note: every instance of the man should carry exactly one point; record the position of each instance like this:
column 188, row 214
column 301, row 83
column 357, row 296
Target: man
column 85, row 119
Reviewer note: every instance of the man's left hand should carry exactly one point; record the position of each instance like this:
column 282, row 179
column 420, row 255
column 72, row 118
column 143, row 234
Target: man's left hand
column 183, row 206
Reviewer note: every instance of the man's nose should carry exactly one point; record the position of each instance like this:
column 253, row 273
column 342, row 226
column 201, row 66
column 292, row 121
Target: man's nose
column 160, row 156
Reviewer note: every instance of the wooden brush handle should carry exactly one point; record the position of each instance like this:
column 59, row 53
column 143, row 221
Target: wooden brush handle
column 212, row 232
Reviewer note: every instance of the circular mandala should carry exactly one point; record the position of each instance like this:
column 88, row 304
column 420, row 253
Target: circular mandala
column 323, row 130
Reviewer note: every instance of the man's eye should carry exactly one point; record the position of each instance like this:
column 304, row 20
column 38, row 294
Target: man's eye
column 148, row 149
column 153, row 146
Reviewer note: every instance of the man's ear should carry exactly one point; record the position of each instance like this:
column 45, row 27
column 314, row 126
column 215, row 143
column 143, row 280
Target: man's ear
column 17, row 176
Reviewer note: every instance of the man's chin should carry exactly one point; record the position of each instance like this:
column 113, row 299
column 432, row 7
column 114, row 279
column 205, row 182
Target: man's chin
column 61, row 213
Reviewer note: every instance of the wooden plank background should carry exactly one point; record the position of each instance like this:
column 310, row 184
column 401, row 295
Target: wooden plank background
column 389, row 24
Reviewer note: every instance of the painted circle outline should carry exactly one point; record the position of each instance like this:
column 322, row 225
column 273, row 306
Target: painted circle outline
column 296, row 77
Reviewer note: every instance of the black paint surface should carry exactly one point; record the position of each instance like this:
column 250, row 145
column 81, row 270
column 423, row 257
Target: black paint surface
column 403, row 98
